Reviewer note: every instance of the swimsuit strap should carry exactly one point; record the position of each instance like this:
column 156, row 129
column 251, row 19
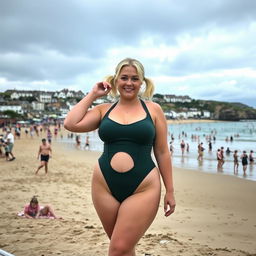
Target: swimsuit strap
column 142, row 103
column 146, row 109
column 110, row 109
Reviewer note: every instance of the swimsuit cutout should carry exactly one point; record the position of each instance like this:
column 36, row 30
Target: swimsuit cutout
column 135, row 139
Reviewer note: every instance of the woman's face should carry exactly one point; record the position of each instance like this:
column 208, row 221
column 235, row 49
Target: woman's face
column 128, row 82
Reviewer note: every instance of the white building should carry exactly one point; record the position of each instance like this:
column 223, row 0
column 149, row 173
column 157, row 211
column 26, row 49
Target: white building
column 206, row 114
column 173, row 98
column 45, row 97
column 170, row 115
column 16, row 108
column 65, row 93
column 17, row 94
column 38, row 106
column 194, row 113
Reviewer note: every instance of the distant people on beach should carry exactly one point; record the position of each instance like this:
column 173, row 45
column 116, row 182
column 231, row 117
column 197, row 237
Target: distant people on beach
column 171, row 147
column 10, row 143
column 87, row 143
column 210, row 146
column 56, row 132
column 182, row 147
column 4, row 149
column 49, row 136
column 219, row 159
column 228, row 151
column 31, row 131
column 17, row 132
column 244, row 158
column 26, row 131
column 34, row 211
column 78, row 141
column 1, row 146
column 126, row 187
column 44, row 153
column 200, row 151
column 251, row 158
column 222, row 156
column 236, row 162
column 7, row 150
column 187, row 147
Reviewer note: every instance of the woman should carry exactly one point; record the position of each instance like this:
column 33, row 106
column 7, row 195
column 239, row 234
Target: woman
column 244, row 158
column 126, row 182
column 236, row 162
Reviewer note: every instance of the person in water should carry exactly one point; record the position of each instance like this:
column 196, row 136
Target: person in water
column 244, row 158
column 126, row 182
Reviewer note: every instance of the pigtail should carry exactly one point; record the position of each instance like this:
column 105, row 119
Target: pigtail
column 111, row 79
column 149, row 90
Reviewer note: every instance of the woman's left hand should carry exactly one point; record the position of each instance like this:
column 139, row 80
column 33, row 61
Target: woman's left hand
column 169, row 203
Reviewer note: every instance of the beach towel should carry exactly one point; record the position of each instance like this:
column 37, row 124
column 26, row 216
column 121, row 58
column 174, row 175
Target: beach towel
column 21, row 214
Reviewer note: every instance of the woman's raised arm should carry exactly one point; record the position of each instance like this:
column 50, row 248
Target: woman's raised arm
column 80, row 118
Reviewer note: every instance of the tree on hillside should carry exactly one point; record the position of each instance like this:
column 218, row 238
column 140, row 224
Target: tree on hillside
column 11, row 114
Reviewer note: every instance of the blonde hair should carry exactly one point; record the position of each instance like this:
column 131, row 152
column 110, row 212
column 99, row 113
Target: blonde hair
column 146, row 93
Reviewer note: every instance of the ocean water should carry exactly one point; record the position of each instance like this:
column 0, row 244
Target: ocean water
column 244, row 138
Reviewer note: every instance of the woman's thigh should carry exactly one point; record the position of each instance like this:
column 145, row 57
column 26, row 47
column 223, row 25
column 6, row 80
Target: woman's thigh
column 105, row 204
column 136, row 213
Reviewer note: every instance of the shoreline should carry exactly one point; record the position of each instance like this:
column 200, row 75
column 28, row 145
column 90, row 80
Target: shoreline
column 187, row 162
column 189, row 121
column 213, row 216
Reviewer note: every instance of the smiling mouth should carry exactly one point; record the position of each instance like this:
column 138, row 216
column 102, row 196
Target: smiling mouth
column 128, row 89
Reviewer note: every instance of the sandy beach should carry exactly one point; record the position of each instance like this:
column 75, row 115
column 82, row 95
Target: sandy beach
column 215, row 214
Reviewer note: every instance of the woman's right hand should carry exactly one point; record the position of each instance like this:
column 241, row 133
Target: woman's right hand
column 101, row 89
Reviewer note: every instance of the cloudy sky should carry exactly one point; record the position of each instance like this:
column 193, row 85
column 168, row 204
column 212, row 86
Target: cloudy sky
column 204, row 49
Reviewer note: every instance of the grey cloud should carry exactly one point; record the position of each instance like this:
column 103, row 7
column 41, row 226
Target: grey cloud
column 65, row 40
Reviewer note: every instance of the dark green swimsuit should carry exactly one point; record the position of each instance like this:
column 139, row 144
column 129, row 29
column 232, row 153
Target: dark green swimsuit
column 135, row 139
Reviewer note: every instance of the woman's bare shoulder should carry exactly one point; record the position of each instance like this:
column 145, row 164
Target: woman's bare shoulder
column 103, row 108
column 153, row 107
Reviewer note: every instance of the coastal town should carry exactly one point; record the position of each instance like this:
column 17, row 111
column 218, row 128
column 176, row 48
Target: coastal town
column 34, row 106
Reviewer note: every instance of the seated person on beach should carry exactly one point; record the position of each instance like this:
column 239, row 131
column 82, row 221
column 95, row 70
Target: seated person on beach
column 45, row 152
column 34, row 211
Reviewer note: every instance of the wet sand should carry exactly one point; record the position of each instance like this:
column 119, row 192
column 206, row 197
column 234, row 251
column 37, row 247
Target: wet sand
column 215, row 214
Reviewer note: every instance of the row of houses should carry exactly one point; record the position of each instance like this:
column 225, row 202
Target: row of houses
column 45, row 96
column 188, row 114
column 36, row 102
column 60, row 102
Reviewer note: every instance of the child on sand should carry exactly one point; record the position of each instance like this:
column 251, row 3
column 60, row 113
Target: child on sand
column 34, row 211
